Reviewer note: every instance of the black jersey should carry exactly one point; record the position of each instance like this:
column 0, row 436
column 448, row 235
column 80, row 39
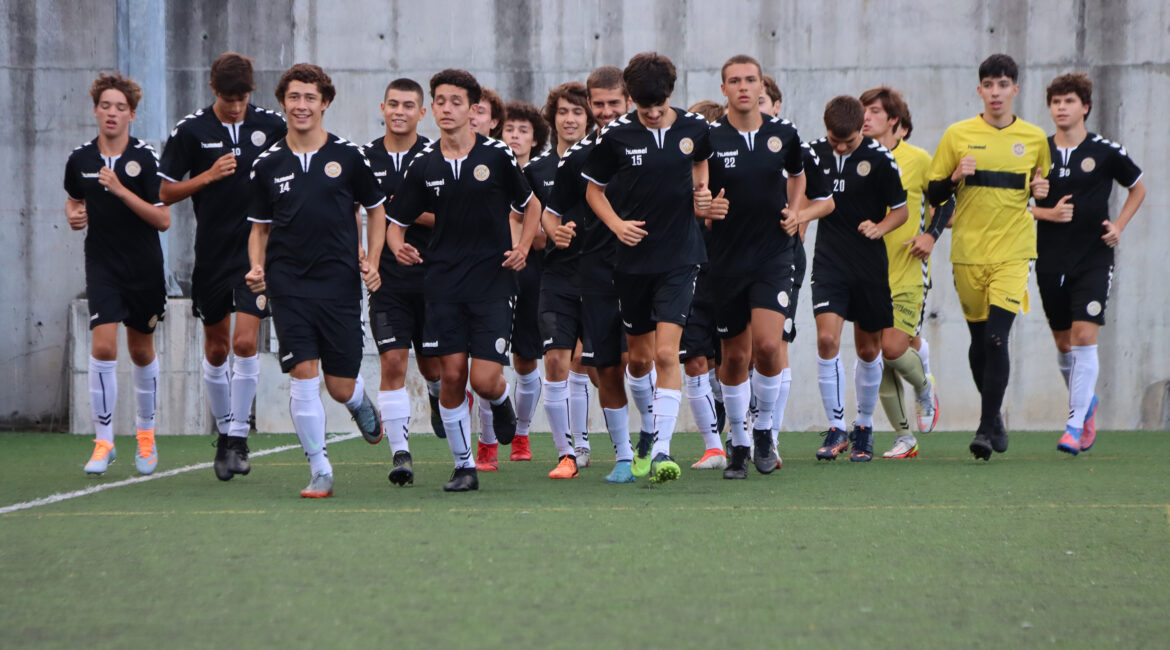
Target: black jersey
column 120, row 247
column 655, row 167
column 309, row 199
column 750, row 169
column 541, row 173
column 389, row 168
column 221, row 232
column 1087, row 172
column 472, row 199
column 596, row 244
column 817, row 184
column 865, row 184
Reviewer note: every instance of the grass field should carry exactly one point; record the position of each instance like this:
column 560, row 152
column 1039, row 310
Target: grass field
column 1033, row 548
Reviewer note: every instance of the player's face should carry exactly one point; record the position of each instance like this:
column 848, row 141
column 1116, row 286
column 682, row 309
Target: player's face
column 608, row 104
column 654, row 117
column 481, row 118
column 1067, row 110
column 768, row 106
column 844, row 146
column 570, row 121
column 113, row 113
column 450, row 106
column 303, row 106
column 402, row 109
column 231, row 108
column 518, row 135
column 742, row 86
column 997, row 94
column 877, row 121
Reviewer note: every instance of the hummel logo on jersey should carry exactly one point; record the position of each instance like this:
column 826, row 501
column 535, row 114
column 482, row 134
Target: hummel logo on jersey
column 629, row 325
column 438, row 183
column 287, row 357
column 380, row 174
column 94, row 317
column 721, row 330
column 821, row 304
column 430, row 344
column 389, row 340
column 547, row 342
column 93, row 175
column 586, row 355
column 284, row 179
column 725, row 154
column 211, row 145
column 634, row 152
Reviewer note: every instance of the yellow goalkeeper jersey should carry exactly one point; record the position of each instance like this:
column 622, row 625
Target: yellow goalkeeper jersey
column 907, row 271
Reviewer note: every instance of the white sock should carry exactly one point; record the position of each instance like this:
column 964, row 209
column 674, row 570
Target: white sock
column 395, row 407
column 1082, row 383
column 359, row 391
column 924, row 354
column 642, row 392
column 830, row 378
column 867, row 379
column 245, row 376
column 487, row 429
column 146, row 393
column 527, row 399
column 457, row 424
column 766, row 390
column 433, row 387
column 308, row 416
column 666, row 401
column 579, row 408
column 781, row 404
column 716, row 387
column 736, row 398
column 703, row 409
column 503, row 396
column 617, row 422
column 103, row 394
column 556, row 407
column 1064, row 361
column 219, row 397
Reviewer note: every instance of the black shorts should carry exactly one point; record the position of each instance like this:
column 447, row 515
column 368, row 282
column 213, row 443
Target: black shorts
column 319, row 328
column 213, row 304
column 602, row 339
column 138, row 308
column 560, row 319
column 526, row 318
column 866, row 303
column 699, row 338
column 799, row 266
column 396, row 320
column 482, row 329
column 1081, row 295
column 767, row 287
column 647, row 299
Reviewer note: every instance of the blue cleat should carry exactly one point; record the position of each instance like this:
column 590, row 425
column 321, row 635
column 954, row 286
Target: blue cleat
column 622, row 473
column 103, row 454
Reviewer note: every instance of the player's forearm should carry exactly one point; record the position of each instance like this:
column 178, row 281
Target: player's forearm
column 426, row 219
column 894, row 218
column 549, row 221
column 813, row 210
column 395, row 237
column 375, row 235
column 1137, row 194
column 796, row 187
column 939, row 191
column 599, row 203
column 531, row 223
column 940, row 217
column 258, row 244
column 174, row 191
column 158, row 216
column 700, row 174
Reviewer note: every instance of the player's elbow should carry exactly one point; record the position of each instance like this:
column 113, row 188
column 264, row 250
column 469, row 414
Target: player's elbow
column 166, row 193
column 163, row 223
column 939, row 191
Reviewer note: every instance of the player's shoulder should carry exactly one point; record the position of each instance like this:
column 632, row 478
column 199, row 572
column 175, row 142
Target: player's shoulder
column 497, row 149
column 189, row 122
column 779, row 124
column 83, row 150
column 911, row 153
column 620, row 124
column 1106, row 144
column 270, row 156
column 141, row 150
column 263, row 115
column 693, row 120
column 874, row 149
column 545, row 159
column 579, row 150
column 815, row 149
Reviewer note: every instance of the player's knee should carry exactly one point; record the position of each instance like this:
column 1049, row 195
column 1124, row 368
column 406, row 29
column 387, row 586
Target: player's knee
column 523, row 366
column 104, row 351
column 216, row 351
column 243, row 346
column 695, row 366
column 340, row 390
column 488, row 387
column 639, row 367
column 142, row 355
column 766, row 352
column 827, row 345
column 393, row 372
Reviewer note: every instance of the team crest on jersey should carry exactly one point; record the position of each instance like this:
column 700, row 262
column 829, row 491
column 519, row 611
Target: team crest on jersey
column 133, row 169
column 333, row 169
column 1093, row 308
column 1019, row 149
column 482, row 173
column 774, row 144
column 782, row 299
column 1088, row 165
column 686, row 145
column 863, row 168
column 258, row 138
column 261, row 302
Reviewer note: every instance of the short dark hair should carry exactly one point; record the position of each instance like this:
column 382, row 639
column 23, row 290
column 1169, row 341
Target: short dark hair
column 650, row 77
column 739, row 58
column 710, row 110
column 231, row 75
column 1074, row 82
column 844, row 116
column 115, row 81
column 573, row 92
column 890, row 99
column 772, row 90
column 406, row 85
column 907, row 125
column 525, row 112
column 999, row 65
column 460, row 79
column 608, row 77
column 309, row 74
column 496, row 105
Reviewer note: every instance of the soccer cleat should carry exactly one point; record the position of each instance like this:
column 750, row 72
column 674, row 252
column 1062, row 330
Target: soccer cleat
column 1089, row 433
column 641, row 464
column 402, row 472
column 567, row 468
column 487, row 458
column 504, row 421
column 862, row 439
column 220, row 464
column 664, row 469
column 463, row 479
column 320, row 486
column 147, row 457
column 999, row 435
column 237, row 455
column 720, row 416
column 927, row 407
column 436, row 419
column 737, row 466
column 1070, row 442
column 712, row 459
column 981, row 445
column 836, row 442
column 368, row 420
column 621, row 473
column 906, row 446
column 103, row 454
column 520, row 449
column 765, row 457
column 582, row 454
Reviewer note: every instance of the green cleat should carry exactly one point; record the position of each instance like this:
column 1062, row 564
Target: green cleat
column 664, row 469
column 642, row 463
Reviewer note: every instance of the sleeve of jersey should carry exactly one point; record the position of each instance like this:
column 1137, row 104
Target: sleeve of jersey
column 817, row 186
column 151, row 179
column 410, row 200
column 703, row 149
column 73, row 181
column 601, row 164
column 174, row 164
column 895, row 193
column 365, row 185
column 939, row 187
column 559, row 198
column 259, row 202
column 793, row 159
column 521, row 192
column 1125, row 170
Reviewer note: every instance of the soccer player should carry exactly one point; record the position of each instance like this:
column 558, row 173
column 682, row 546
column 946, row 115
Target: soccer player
column 114, row 177
column 215, row 147
column 569, row 217
column 1075, row 239
column 850, row 271
column 658, row 154
column 471, row 184
column 305, row 251
column 487, row 116
column 907, row 249
column 397, row 310
column 991, row 163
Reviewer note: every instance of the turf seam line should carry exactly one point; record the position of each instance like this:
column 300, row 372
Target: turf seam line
column 65, row 496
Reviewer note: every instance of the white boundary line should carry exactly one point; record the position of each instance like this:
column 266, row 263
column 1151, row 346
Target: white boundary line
column 65, row 496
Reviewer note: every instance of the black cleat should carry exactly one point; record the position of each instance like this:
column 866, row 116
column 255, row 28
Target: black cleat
column 368, row 420
column 862, row 439
column 981, row 445
column 222, row 471
column 999, row 435
column 403, row 472
column 436, row 419
column 765, row 457
column 463, row 479
column 835, row 443
column 504, row 421
column 237, row 455
column 720, row 416
column 737, row 465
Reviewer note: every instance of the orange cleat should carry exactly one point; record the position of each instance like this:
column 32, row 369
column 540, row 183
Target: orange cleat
column 520, row 449
column 486, row 458
column 567, row 468
column 713, row 459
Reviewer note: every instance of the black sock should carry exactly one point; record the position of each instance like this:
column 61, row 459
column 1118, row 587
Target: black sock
column 997, row 364
column 975, row 353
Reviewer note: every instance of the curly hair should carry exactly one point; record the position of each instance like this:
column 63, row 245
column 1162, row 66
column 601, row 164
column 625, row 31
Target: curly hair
column 525, row 112
column 115, row 81
column 306, row 73
column 573, row 92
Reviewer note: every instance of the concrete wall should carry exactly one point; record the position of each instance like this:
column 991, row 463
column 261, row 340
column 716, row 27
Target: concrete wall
column 523, row 47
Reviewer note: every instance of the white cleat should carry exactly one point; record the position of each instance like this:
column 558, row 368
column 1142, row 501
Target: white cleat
column 927, row 407
column 713, row 459
column 904, row 447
